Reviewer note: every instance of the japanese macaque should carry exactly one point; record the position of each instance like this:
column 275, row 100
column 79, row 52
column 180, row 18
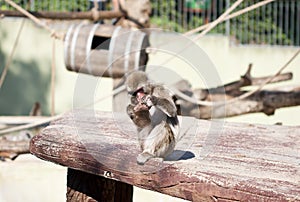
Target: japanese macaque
column 154, row 113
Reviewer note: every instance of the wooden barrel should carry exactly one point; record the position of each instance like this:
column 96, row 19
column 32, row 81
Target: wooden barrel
column 105, row 50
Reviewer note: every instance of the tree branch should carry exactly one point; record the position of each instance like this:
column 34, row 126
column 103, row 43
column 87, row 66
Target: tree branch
column 248, row 80
column 266, row 101
column 12, row 149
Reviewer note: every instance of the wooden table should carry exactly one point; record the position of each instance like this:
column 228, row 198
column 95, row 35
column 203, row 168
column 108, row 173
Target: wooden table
column 213, row 161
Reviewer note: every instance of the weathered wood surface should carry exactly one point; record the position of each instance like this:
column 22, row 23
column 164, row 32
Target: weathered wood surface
column 11, row 149
column 14, row 144
column 222, row 161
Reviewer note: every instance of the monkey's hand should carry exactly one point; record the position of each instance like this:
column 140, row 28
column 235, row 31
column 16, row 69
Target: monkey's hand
column 130, row 111
column 136, row 110
column 140, row 107
column 166, row 105
column 140, row 116
column 148, row 100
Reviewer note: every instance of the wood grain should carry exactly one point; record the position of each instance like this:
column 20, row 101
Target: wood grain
column 218, row 161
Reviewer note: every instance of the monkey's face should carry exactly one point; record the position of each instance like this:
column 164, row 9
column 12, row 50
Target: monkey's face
column 140, row 94
column 136, row 97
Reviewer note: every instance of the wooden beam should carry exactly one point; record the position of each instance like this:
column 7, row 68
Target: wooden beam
column 12, row 149
column 14, row 144
column 265, row 101
column 214, row 160
column 97, row 15
column 19, row 147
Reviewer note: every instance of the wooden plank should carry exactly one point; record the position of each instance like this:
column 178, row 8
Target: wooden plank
column 218, row 161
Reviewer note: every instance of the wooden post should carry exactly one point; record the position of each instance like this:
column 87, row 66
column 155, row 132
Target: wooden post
column 83, row 186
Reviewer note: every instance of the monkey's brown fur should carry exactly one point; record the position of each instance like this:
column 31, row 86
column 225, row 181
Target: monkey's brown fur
column 155, row 131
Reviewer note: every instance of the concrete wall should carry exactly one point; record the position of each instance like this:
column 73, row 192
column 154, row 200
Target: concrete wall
column 28, row 81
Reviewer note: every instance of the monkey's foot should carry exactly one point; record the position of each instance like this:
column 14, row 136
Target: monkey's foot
column 142, row 158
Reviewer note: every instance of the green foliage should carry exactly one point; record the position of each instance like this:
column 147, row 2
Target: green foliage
column 50, row 5
column 165, row 23
column 166, row 10
column 255, row 27
column 258, row 27
column 170, row 18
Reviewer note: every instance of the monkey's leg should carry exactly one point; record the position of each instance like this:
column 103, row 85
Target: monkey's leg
column 142, row 158
column 159, row 143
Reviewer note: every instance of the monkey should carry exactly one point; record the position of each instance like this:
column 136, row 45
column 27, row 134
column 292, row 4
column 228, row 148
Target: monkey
column 154, row 113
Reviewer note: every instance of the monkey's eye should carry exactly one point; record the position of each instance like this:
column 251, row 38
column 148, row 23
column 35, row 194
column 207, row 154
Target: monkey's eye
column 134, row 93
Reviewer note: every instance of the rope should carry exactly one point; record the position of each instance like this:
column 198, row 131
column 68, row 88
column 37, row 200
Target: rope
column 219, row 19
column 244, row 96
column 233, row 15
column 96, row 7
column 94, row 10
column 210, row 27
column 36, row 20
column 5, row 69
column 53, row 76
column 30, row 125
column 48, row 120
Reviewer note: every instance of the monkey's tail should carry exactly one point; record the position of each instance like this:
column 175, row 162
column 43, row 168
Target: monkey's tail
column 174, row 125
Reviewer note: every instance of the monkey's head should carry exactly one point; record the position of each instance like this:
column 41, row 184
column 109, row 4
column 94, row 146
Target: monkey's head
column 136, row 83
